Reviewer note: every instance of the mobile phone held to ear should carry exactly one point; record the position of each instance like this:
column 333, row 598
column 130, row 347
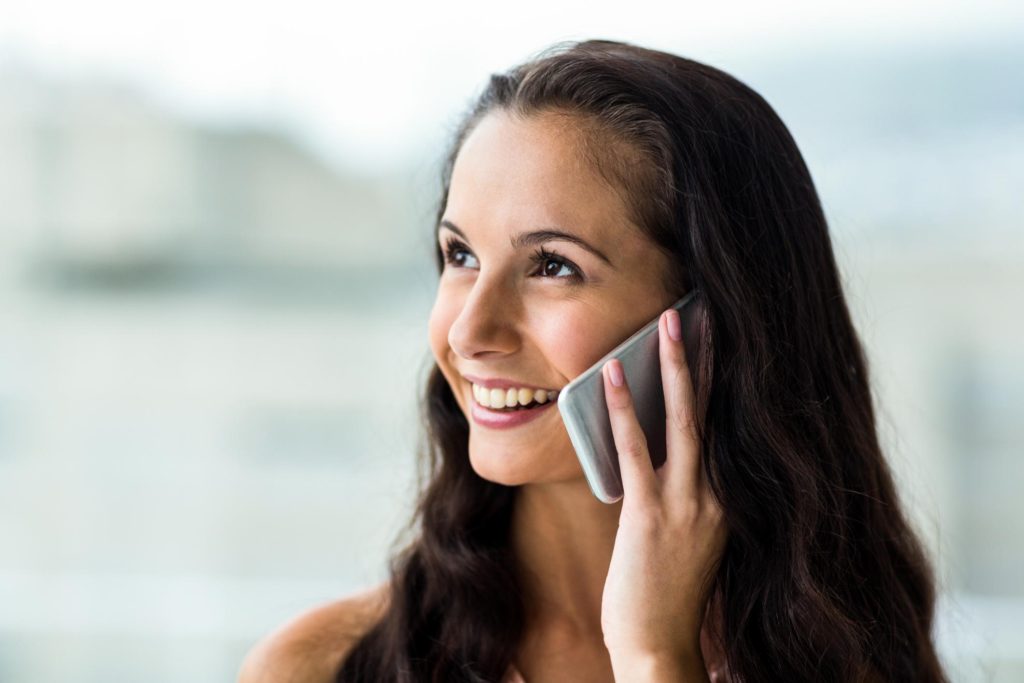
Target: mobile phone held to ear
column 585, row 413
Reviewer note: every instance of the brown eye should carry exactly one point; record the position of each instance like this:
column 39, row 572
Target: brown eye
column 454, row 252
column 552, row 264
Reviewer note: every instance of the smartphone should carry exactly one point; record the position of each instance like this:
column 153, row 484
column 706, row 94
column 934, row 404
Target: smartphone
column 582, row 401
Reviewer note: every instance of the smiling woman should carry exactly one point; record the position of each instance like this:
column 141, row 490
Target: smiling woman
column 585, row 192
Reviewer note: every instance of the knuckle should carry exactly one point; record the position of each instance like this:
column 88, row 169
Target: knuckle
column 688, row 512
column 715, row 513
column 619, row 401
column 635, row 445
column 644, row 515
column 680, row 418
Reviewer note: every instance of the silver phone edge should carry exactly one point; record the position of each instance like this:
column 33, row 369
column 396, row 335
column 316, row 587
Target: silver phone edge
column 582, row 442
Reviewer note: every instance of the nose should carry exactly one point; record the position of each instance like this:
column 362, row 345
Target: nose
column 486, row 325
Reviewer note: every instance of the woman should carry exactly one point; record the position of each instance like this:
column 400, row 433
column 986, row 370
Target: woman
column 586, row 191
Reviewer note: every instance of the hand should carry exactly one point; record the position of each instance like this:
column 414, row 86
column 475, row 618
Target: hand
column 671, row 529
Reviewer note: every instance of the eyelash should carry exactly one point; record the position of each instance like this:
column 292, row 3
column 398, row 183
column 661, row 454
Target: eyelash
column 540, row 257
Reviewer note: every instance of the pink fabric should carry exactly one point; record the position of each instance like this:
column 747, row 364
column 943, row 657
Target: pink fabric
column 513, row 676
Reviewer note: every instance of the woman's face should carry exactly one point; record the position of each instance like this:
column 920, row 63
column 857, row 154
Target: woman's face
column 502, row 315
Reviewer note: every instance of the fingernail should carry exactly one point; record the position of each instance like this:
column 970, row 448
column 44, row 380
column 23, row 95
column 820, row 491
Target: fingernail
column 614, row 373
column 675, row 329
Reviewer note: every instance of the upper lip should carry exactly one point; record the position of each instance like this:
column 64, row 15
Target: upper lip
column 502, row 383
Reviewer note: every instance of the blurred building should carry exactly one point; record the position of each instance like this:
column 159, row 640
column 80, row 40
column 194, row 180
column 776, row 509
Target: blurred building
column 100, row 183
column 206, row 358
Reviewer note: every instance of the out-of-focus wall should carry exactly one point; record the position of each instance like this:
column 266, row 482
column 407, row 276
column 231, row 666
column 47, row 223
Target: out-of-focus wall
column 212, row 339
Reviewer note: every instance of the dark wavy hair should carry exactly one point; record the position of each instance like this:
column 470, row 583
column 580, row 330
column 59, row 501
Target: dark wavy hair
column 822, row 578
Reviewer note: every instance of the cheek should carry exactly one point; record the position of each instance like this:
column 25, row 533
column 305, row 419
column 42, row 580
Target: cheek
column 575, row 340
column 442, row 315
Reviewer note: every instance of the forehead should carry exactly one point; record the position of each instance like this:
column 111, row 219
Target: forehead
column 513, row 174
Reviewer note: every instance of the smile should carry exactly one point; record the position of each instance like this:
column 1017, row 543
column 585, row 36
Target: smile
column 506, row 417
column 512, row 398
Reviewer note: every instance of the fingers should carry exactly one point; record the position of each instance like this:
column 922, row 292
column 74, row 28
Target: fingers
column 638, row 477
column 682, row 461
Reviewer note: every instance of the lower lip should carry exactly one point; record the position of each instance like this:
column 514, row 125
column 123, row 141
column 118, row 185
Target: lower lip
column 504, row 420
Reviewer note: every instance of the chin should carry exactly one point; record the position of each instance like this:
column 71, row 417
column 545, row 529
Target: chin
column 516, row 469
column 502, row 468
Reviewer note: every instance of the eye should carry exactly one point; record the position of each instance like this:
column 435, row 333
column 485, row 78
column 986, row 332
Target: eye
column 543, row 258
column 454, row 249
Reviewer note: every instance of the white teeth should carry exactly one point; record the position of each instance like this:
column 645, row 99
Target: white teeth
column 497, row 398
column 510, row 398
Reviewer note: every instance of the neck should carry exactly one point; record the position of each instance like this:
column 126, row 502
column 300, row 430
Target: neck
column 563, row 537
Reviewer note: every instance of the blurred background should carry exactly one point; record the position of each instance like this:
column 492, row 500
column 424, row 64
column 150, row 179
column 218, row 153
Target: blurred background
column 216, row 272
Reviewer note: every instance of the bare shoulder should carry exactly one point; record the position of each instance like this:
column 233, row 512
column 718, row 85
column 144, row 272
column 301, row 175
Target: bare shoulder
column 310, row 647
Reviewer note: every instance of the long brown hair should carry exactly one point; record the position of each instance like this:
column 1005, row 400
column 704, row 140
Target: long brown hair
column 822, row 578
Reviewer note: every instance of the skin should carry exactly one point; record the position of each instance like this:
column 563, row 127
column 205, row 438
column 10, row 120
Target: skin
column 600, row 604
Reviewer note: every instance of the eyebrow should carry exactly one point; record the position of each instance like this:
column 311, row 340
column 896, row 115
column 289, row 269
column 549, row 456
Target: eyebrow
column 526, row 239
